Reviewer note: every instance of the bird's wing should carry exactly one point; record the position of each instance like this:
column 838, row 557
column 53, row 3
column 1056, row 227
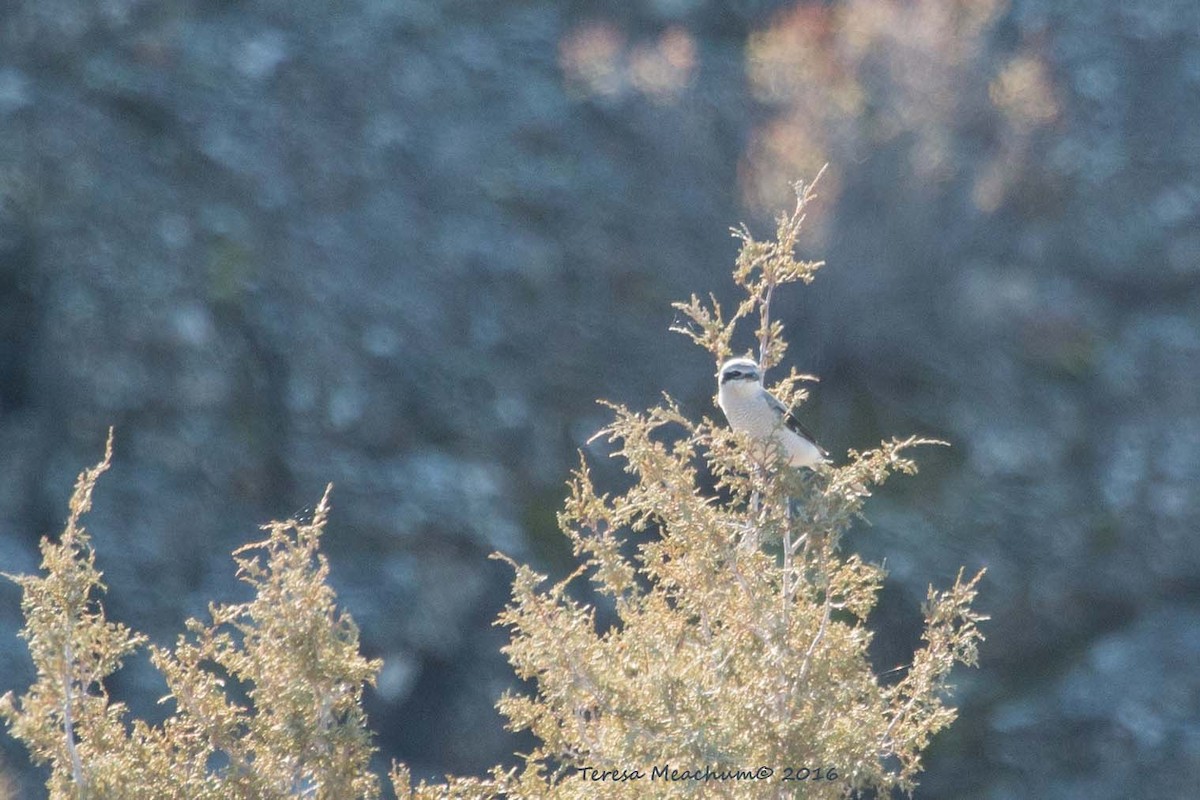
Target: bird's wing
column 791, row 423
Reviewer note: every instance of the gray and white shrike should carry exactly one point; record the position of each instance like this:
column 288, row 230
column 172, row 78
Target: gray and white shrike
column 752, row 410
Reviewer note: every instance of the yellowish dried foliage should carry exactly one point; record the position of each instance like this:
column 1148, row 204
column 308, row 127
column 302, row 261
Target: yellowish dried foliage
column 739, row 651
column 301, row 731
column 742, row 626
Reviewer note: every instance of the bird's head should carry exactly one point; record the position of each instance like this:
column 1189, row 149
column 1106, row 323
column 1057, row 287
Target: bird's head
column 739, row 374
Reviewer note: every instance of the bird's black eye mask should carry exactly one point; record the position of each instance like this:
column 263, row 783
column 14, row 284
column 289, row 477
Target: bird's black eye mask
column 735, row 375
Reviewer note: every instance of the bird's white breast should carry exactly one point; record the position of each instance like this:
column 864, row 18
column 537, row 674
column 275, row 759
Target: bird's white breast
column 747, row 411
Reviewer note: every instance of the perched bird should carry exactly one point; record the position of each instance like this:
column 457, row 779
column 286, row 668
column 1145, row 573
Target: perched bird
column 751, row 409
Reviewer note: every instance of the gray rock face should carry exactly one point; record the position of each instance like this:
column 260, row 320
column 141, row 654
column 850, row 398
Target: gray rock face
column 403, row 246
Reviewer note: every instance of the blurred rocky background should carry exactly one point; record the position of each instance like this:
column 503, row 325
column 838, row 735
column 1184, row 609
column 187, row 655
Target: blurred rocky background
column 402, row 245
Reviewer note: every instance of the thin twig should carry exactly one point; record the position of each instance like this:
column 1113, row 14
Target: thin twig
column 68, row 723
column 886, row 742
column 826, row 609
column 765, row 330
column 812, row 647
column 786, row 589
